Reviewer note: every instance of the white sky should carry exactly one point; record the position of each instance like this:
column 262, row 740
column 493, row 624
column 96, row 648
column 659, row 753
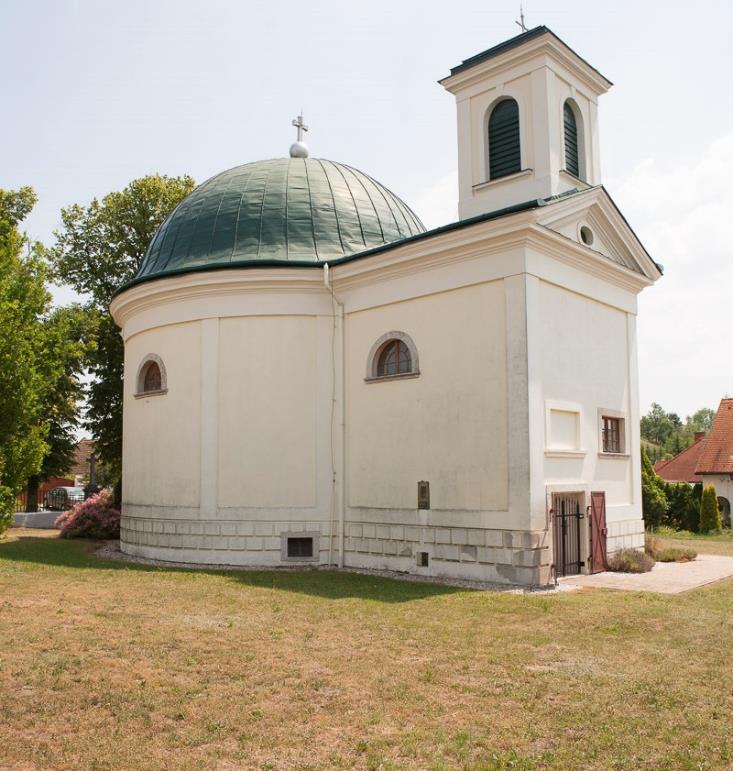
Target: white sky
column 98, row 92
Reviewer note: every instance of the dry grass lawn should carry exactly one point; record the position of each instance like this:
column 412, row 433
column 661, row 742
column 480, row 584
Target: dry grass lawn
column 108, row 666
column 715, row 544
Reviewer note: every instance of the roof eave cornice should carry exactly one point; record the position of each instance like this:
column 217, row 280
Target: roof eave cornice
column 548, row 44
column 483, row 239
column 187, row 286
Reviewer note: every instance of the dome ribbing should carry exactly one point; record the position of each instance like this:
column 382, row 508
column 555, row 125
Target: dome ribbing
column 284, row 210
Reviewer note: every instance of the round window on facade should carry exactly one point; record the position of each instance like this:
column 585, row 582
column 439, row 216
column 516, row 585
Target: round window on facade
column 586, row 235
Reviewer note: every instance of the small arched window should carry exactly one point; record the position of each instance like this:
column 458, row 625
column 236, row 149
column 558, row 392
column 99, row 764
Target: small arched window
column 395, row 359
column 572, row 156
column 393, row 355
column 151, row 377
column 504, row 150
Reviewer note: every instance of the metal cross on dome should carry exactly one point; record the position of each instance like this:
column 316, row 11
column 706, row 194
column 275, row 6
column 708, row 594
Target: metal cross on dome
column 298, row 123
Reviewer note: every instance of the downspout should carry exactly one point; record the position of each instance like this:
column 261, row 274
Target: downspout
column 337, row 306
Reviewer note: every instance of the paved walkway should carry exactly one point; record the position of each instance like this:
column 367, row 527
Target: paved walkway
column 664, row 577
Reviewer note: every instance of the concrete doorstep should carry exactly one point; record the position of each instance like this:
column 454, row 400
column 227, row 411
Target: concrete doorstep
column 35, row 518
column 664, row 577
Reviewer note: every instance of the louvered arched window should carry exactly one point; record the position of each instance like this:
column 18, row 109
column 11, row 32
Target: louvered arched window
column 504, row 153
column 572, row 157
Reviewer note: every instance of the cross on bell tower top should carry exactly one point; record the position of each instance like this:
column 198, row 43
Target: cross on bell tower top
column 299, row 149
column 521, row 23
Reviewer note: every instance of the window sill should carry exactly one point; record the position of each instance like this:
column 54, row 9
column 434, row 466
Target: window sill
column 145, row 394
column 555, row 453
column 401, row 376
column 620, row 455
column 573, row 178
column 492, row 182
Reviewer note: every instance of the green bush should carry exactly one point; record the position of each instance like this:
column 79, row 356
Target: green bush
column 630, row 561
column 654, row 502
column 665, row 531
column 7, row 505
column 675, row 554
column 683, row 512
column 662, row 553
column 709, row 512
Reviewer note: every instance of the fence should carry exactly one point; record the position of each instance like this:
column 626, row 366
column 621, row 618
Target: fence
column 21, row 501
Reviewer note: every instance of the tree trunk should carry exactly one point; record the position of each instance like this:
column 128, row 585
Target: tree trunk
column 117, row 493
column 31, row 494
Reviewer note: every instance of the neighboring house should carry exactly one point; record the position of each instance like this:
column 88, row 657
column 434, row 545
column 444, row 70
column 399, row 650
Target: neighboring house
column 314, row 378
column 715, row 464
column 81, row 467
column 77, row 475
column 682, row 467
column 708, row 461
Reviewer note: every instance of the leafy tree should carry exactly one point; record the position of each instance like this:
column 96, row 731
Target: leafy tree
column 666, row 435
column 653, row 496
column 709, row 512
column 98, row 248
column 67, row 347
column 702, row 420
column 24, row 301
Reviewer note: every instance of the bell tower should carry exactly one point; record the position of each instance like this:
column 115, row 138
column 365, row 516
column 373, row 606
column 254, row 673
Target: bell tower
column 527, row 122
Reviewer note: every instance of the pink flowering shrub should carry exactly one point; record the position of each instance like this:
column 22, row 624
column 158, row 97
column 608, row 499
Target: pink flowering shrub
column 93, row 518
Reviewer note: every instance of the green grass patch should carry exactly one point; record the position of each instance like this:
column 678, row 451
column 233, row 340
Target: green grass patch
column 112, row 666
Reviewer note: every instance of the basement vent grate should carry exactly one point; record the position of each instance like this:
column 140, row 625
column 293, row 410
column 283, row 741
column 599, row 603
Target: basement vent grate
column 300, row 547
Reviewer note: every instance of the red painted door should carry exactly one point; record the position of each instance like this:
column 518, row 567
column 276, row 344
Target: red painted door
column 598, row 532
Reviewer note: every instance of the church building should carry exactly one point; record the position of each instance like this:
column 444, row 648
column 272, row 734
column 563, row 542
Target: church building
column 313, row 378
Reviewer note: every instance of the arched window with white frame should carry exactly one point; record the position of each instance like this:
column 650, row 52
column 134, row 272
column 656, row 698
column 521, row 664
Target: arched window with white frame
column 393, row 355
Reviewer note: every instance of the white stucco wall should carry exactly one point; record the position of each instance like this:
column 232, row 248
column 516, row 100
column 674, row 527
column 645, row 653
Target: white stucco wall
column 160, row 466
column 723, row 486
column 448, row 425
column 588, row 369
column 267, row 411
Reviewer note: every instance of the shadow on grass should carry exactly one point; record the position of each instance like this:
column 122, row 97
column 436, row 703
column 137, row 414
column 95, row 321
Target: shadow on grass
column 329, row 584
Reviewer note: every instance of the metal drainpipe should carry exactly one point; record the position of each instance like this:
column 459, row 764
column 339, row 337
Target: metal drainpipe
column 342, row 464
column 342, row 513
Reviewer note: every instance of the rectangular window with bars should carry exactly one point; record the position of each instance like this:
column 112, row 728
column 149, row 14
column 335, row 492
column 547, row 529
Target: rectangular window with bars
column 612, row 434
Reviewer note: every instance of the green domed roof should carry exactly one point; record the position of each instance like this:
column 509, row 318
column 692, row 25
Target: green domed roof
column 282, row 210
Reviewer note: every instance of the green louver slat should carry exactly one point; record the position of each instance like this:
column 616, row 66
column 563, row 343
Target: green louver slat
column 571, row 141
column 504, row 151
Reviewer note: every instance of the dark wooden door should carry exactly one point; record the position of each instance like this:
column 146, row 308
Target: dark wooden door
column 598, row 532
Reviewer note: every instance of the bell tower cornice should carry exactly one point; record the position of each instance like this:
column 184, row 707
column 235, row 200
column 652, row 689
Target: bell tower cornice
column 519, row 50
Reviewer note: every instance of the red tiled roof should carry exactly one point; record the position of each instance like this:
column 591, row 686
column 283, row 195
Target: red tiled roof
column 717, row 456
column 82, row 453
column 682, row 467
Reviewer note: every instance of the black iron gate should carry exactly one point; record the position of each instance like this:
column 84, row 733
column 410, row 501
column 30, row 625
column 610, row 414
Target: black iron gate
column 567, row 511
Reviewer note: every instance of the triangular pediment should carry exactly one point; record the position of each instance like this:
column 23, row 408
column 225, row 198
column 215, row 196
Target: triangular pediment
column 591, row 218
